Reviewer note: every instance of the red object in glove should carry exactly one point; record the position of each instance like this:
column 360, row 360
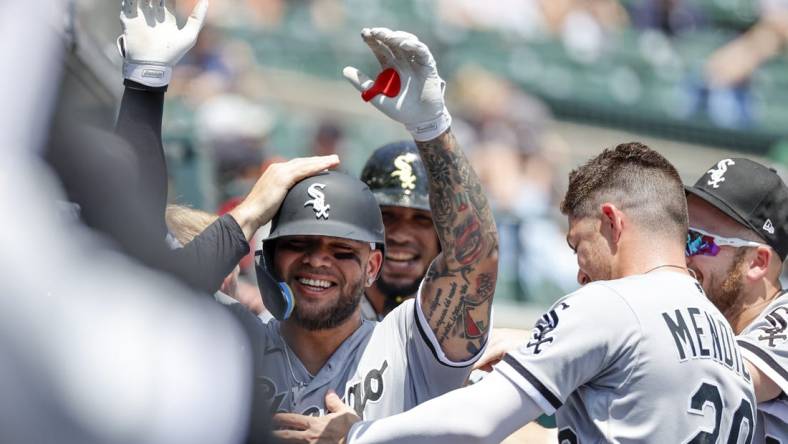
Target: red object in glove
column 387, row 83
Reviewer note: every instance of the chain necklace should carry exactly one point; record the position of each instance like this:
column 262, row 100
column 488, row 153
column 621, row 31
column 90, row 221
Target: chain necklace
column 299, row 383
column 688, row 270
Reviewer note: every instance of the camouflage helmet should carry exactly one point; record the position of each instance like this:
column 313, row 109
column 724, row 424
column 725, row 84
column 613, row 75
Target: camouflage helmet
column 396, row 176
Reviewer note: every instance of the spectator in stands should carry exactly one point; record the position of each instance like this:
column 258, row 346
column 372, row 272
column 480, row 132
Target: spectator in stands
column 735, row 62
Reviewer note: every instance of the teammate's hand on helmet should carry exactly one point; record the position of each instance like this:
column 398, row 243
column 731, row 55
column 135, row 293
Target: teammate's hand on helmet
column 267, row 194
column 502, row 340
column 419, row 104
column 332, row 428
column 152, row 43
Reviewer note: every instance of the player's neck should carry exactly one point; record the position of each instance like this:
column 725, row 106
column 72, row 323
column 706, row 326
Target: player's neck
column 314, row 347
column 376, row 298
column 752, row 301
column 655, row 263
column 642, row 252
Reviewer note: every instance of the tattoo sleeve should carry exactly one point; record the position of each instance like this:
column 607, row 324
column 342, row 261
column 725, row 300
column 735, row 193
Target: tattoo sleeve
column 458, row 289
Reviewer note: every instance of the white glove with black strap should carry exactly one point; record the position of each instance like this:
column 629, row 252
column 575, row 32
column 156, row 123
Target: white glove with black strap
column 419, row 104
column 152, row 43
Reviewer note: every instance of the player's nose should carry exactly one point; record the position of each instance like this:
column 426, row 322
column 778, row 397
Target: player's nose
column 317, row 257
column 582, row 278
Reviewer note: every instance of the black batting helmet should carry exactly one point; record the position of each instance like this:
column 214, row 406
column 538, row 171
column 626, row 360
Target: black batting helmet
column 328, row 204
column 396, row 176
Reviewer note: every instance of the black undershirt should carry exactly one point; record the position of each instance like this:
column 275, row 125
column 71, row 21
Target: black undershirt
column 120, row 184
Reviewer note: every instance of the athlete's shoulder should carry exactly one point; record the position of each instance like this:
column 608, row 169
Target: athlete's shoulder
column 770, row 327
column 592, row 294
column 657, row 280
column 596, row 304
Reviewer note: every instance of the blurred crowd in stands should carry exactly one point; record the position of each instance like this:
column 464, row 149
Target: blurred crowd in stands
column 689, row 59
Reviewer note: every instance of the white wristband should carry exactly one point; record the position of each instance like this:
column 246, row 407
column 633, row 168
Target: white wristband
column 431, row 129
column 148, row 73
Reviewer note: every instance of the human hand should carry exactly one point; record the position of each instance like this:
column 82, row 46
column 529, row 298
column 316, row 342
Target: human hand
column 152, row 43
column 419, row 105
column 502, row 341
column 332, row 428
column 262, row 203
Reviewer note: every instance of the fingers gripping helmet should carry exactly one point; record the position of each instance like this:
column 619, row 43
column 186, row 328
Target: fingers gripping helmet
column 397, row 177
column 328, row 204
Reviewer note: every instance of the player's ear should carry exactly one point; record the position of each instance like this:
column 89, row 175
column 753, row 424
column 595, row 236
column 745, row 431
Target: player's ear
column 612, row 221
column 374, row 264
column 759, row 263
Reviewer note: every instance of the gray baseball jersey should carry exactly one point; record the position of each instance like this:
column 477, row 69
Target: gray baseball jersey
column 382, row 369
column 644, row 359
column 368, row 311
column 765, row 344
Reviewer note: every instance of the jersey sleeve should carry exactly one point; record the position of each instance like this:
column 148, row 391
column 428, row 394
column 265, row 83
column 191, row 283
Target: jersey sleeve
column 580, row 337
column 428, row 338
column 498, row 409
column 430, row 372
column 765, row 343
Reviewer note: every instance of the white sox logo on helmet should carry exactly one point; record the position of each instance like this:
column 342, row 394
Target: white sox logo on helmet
column 318, row 201
column 404, row 171
column 716, row 174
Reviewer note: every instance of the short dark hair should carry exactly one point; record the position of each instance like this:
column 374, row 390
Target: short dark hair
column 637, row 180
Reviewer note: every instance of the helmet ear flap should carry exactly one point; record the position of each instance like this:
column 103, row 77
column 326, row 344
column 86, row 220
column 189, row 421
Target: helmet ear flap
column 277, row 296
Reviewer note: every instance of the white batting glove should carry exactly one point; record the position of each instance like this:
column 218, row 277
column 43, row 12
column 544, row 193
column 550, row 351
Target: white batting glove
column 151, row 43
column 419, row 104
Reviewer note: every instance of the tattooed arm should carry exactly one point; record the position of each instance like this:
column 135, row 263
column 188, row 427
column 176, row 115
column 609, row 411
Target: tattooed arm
column 456, row 296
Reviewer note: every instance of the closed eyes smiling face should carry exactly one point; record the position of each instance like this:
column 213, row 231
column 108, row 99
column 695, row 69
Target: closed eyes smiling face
column 327, row 276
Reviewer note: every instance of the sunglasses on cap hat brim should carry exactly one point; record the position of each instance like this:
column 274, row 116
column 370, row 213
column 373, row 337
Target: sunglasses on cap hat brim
column 701, row 242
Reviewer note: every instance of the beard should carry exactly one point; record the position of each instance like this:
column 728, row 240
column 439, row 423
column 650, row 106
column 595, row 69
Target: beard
column 394, row 291
column 725, row 295
column 331, row 316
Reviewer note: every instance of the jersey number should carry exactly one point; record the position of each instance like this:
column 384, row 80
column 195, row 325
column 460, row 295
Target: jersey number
column 710, row 394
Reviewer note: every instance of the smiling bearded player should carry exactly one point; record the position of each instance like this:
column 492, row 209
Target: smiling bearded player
column 396, row 176
column 738, row 240
column 326, row 248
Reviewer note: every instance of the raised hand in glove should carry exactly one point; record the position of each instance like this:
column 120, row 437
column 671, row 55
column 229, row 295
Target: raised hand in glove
column 419, row 104
column 152, row 43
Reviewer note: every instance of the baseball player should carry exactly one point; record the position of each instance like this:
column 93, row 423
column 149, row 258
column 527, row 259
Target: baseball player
column 319, row 248
column 396, row 176
column 638, row 354
column 327, row 245
column 738, row 240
